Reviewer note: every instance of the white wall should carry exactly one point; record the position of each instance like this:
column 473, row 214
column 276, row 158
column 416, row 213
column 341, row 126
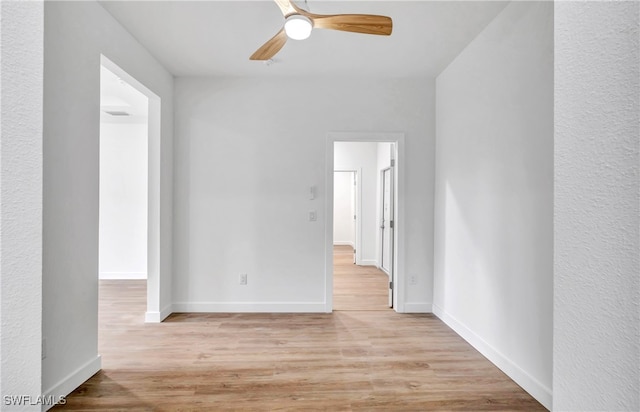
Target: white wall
column 247, row 152
column 596, row 352
column 594, row 369
column 76, row 33
column 21, row 49
column 123, row 200
column 344, row 208
column 494, row 194
column 363, row 156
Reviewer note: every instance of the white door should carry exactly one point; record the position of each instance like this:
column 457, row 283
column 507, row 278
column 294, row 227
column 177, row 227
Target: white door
column 386, row 228
column 354, row 208
column 344, row 208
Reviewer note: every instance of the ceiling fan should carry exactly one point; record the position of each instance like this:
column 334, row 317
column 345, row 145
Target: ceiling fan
column 299, row 23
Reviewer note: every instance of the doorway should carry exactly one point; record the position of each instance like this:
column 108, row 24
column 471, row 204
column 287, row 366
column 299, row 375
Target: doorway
column 127, row 100
column 369, row 154
column 123, row 204
column 345, row 213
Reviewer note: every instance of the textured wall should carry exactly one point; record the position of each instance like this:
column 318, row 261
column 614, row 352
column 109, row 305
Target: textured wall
column 76, row 34
column 21, row 35
column 494, row 194
column 597, row 263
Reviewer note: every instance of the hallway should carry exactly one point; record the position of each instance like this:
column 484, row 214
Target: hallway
column 357, row 287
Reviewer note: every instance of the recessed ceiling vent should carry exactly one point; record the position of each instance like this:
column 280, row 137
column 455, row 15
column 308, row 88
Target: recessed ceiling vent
column 117, row 113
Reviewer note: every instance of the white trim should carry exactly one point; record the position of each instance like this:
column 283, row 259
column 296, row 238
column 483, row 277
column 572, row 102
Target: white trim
column 418, row 307
column 369, row 262
column 530, row 384
column 399, row 212
column 248, row 307
column 73, row 380
column 122, row 275
column 157, row 317
column 343, row 243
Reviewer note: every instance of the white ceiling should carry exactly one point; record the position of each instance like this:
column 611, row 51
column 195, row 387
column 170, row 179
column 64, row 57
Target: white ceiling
column 216, row 38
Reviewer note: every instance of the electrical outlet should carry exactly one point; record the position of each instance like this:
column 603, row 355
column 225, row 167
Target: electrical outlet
column 413, row 280
column 313, row 216
column 243, row 279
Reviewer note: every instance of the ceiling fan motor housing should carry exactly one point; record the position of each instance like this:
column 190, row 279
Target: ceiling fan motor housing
column 298, row 27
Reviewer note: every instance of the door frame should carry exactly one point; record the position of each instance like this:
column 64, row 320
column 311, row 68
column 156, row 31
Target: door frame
column 399, row 211
column 154, row 314
column 358, row 211
column 381, row 217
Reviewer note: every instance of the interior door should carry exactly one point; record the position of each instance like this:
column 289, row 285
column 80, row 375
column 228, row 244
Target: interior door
column 344, row 209
column 354, row 208
column 386, row 228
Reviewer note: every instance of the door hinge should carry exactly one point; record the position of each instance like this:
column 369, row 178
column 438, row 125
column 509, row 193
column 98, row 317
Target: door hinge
column 393, row 162
column 391, row 285
column 391, row 224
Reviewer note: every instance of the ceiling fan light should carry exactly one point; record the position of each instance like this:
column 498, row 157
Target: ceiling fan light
column 298, row 27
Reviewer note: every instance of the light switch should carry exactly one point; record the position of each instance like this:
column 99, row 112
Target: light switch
column 312, row 192
column 313, row 216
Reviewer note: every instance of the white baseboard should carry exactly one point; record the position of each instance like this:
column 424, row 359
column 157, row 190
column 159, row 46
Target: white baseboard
column 122, row 275
column 368, row 262
column 343, row 243
column 534, row 387
column 157, row 317
column 249, row 307
column 418, row 307
column 73, row 380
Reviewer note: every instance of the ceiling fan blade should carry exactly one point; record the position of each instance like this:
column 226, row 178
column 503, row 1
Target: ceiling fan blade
column 286, row 7
column 270, row 48
column 357, row 23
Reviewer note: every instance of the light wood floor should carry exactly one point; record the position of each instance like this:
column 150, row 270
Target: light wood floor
column 357, row 287
column 369, row 360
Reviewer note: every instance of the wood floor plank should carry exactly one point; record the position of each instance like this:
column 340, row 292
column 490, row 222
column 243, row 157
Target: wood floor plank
column 357, row 287
column 367, row 359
